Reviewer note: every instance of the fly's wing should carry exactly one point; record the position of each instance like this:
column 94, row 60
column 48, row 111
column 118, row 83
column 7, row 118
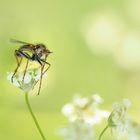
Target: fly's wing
column 20, row 42
column 26, row 48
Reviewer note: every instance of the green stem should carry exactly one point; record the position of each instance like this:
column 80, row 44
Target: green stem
column 33, row 116
column 103, row 132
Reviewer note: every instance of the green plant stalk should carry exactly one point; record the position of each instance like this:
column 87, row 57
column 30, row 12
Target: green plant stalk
column 33, row 116
column 103, row 132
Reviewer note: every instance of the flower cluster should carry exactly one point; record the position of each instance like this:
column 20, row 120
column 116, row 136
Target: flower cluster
column 119, row 119
column 121, row 124
column 78, row 130
column 27, row 82
column 83, row 113
column 86, row 109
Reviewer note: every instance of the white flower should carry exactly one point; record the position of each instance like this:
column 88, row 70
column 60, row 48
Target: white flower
column 86, row 109
column 78, row 130
column 27, row 82
column 119, row 120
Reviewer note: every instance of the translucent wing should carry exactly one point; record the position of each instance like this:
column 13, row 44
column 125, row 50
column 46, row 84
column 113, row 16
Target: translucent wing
column 20, row 42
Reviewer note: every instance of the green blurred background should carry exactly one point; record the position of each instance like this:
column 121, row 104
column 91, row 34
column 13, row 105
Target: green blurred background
column 96, row 49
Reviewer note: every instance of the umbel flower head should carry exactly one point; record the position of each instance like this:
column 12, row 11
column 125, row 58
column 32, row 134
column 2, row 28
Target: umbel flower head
column 86, row 109
column 27, row 83
column 119, row 120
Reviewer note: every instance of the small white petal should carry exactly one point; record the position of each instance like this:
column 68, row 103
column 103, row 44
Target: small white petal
column 127, row 103
column 103, row 113
column 27, row 78
column 68, row 109
column 37, row 75
column 9, row 75
column 20, row 77
column 81, row 102
column 16, row 82
column 97, row 98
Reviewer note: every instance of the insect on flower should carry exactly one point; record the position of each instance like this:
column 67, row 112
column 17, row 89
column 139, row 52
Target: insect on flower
column 32, row 52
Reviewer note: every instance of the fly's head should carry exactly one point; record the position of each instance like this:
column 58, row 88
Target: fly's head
column 41, row 50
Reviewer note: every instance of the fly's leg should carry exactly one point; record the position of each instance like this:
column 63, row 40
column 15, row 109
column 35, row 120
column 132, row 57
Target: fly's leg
column 42, row 73
column 18, row 65
column 25, row 70
column 40, row 83
column 49, row 65
column 19, row 54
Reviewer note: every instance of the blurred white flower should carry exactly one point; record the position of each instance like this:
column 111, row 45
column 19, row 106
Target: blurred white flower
column 97, row 117
column 134, row 131
column 31, row 77
column 119, row 120
column 86, row 109
column 103, row 30
column 127, row 54
column 78, row 130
